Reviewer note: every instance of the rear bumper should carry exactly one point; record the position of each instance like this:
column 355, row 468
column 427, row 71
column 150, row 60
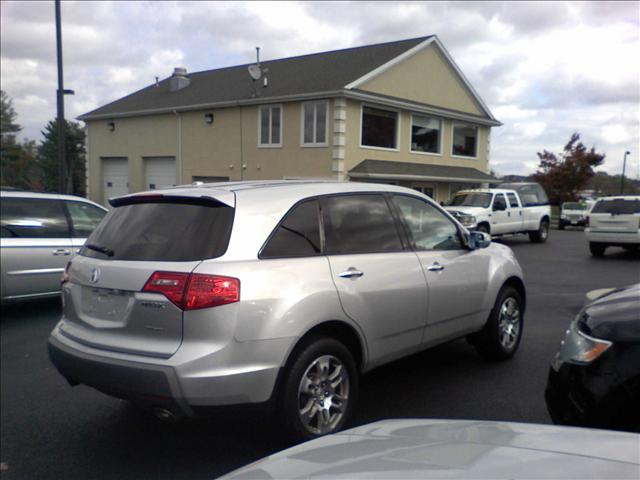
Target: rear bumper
column 613, row 238
column 181, row 384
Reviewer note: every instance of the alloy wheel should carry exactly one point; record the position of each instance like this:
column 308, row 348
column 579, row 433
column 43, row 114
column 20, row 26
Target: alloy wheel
column 323, row 394
column 509, row 323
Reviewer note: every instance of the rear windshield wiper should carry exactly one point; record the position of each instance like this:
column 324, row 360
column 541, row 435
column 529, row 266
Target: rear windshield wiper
column 107, row 251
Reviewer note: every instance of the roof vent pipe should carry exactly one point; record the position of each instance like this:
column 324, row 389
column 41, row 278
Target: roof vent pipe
column 179, row 79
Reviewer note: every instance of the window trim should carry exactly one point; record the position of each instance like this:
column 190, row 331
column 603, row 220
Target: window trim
column 460, row 124
column 315, row 116
column 407, row 229
column 441, row 136
column 398, row 127
column 270, row 107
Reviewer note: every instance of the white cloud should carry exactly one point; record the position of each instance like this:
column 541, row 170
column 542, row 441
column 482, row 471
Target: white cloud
column 546, row 69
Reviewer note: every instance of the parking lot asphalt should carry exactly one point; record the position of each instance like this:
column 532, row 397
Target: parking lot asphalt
column 51, row 430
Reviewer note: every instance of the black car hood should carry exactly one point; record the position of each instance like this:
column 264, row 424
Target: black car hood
column 614, row 317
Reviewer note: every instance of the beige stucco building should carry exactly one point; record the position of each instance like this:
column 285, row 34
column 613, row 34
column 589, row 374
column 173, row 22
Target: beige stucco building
column 399, row 112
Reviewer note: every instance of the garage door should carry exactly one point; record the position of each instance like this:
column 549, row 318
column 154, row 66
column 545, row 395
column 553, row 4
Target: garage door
column 115, row 175
column 159, row 172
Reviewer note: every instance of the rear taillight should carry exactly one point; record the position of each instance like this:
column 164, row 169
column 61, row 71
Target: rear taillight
column 65, row 274
column 170, row 284
column 196, row 290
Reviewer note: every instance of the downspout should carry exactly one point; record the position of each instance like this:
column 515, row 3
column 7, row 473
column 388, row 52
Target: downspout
column 87, row 162
column 179, row 153
column 241, row 145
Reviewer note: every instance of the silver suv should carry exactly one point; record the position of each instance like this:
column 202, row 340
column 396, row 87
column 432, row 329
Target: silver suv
column 278, row 292
column 40, row 233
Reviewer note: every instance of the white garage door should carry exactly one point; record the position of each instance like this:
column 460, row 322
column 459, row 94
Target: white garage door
column 159, row 172
column 115, row 175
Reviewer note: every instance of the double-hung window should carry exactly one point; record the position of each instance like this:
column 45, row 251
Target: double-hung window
column 379, row 128
column 314, row 123
column 465, row 140
column 270, row 126
column 425, row 134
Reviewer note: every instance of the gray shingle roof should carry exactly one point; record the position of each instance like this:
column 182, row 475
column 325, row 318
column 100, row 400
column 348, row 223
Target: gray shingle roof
column 385, row 167
column 306, row 74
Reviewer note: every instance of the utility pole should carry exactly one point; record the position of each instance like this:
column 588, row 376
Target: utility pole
column 624, row 167
column 65, row 184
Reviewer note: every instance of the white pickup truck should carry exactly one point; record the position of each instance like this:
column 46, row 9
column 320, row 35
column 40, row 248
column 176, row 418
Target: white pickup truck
column 522, row 208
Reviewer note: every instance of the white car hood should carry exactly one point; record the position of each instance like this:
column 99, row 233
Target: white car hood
column 468, row 210
column 413, row 449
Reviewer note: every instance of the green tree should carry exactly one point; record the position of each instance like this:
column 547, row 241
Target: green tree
column 17, row 162
column 75, row 149
column 564, row 175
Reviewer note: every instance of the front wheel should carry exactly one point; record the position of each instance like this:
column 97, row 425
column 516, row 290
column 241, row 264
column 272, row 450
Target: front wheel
column 319, row 390
column 500, row 337
column 540, row 235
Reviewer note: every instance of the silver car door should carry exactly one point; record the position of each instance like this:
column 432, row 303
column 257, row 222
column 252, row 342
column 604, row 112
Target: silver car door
column 380, row 284
column 36, row 246
column 457, row 278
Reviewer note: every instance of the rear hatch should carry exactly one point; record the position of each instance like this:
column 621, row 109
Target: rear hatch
column 105, row 304
column 616, row 215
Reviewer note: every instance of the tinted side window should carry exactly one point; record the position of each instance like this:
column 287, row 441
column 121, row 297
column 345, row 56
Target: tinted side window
column 298, row 235
column 33, row 218
column 84, row 218
column 513, row 201
column 359, row 224
column 499, row 201
column 430, row 228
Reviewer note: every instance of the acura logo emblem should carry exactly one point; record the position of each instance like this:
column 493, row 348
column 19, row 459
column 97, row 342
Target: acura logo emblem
column 95, row 275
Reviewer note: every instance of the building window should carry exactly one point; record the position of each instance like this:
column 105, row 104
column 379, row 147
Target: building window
column 425, row 134
column 314, row 123
column 379, row 128
column 465, row 141
column 270, row 131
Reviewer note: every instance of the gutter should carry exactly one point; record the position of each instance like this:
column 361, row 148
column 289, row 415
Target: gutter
column 398, row 176
column 344, row 93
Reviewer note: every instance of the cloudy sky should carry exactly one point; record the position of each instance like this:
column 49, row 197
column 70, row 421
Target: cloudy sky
column 545, row 69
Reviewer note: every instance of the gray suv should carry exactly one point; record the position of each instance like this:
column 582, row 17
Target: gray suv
column 279, row 293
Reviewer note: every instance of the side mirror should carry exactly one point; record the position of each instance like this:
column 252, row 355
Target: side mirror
column 479, row 240
column 499, row 207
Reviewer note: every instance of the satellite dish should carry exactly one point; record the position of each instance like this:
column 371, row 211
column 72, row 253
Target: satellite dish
column 255, row 71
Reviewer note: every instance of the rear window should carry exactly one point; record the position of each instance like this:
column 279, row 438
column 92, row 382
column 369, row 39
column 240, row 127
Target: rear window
column 171, row 232
column 617, row 206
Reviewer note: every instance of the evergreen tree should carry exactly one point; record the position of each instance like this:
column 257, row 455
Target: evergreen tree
column 75, row 149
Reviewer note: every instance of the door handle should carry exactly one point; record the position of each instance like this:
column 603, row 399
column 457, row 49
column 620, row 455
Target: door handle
column 508, row 214
column 351, row 273
column 435, row 267
column 61, row 251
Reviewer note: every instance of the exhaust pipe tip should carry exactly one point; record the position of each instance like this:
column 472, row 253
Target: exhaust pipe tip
column 164, row 415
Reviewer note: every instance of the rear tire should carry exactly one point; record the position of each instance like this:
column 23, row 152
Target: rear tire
column 561, row 226
column 319, row 389
column 500, row 337
column 597, row 249
column 540, row 235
